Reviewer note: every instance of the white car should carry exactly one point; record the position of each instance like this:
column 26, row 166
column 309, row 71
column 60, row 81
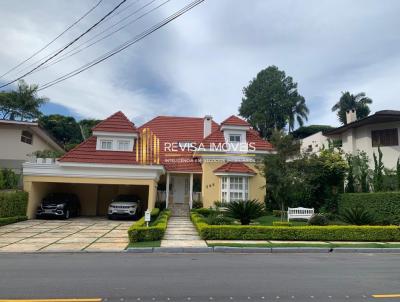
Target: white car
column 125, row 206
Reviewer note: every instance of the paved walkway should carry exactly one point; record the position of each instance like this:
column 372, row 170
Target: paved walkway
column 181, row 233
column 76, row 234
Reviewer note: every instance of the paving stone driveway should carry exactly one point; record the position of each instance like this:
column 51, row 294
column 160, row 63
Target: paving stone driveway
column 76, row 234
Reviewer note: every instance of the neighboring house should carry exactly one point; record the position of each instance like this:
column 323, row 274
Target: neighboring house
column 314, row 143
column 367, row 134
column 171, row 159
column 19, row 139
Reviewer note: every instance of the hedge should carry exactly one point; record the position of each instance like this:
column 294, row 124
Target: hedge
column 304, row 233
column 140, row 232
column 13, row 203
column 385, row 206
column 9, row 220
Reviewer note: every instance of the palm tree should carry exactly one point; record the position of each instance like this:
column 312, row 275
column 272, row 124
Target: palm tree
column 298, row 112
column 349, row 101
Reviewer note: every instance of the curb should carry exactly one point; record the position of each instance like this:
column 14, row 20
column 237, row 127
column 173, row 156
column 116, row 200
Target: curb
column 258, row 250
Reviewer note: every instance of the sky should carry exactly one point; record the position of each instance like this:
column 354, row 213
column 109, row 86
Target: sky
column 199, row 63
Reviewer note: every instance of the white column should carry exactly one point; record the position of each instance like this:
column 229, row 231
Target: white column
column 167, row 191
column 191, row 191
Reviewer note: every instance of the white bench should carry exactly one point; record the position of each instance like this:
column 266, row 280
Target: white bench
column 300, row 213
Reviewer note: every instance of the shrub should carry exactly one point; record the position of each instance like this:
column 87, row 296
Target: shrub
column 9, row 179
column 218, row 219
column 204, row 211
column 281, row 223
column 9, row 220
column 13, row 203
column 306, row 233
column 47, row 154
column 198, row 204
column 357, row 216
column 318, row 219
column 161, row 205
column 140, row 232
column 384, row 205
column 245, row 210
column 278, row 213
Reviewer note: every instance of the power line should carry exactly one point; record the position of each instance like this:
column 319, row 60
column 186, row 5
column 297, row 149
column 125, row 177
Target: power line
column 123, row 46
column 80, row 49
column 68, row 45
column 49, row 55
column 52, row 41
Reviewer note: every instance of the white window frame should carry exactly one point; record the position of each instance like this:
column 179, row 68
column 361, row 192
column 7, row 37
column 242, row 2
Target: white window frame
column 240, row 189
column 125, row 143
column 106, row 141
column 236, row 136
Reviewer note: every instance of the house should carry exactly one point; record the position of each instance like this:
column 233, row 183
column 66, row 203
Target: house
column 19, row 139
column 377, row 130
column 314, row 143
column 171, row 159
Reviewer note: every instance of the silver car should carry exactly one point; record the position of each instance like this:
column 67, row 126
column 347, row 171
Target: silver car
column 125, row 206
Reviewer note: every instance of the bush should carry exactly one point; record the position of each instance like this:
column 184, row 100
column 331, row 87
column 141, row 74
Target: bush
column 305, row 233
column 198, row 204
column 218, row 219
column 318, row 219
column 204, row 211
column 9, row 220
column 140, row 232
column 162, row 205
column 357, row 216
column 384, row 205
column 47, row 154
column 13, row 203
column 245, row 210
column 281, row 223
column 8, row 179
column 278, row 213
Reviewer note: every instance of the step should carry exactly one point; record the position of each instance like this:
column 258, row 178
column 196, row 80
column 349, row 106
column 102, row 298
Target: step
column 180, row 243
column 191, row 233
column 181, row 237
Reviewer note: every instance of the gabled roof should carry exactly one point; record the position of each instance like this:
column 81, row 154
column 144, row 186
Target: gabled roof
column 383, row 116
column 117, row 122
column 235, row 167
column 233, row 120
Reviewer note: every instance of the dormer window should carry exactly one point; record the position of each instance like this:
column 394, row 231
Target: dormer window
column 123, row 145
column 106, row 144
column 234, row 138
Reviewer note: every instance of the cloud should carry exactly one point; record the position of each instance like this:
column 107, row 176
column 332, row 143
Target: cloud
column 199, row 64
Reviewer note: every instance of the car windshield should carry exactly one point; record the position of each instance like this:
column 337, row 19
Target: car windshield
column 128, row 198
column 55, row 198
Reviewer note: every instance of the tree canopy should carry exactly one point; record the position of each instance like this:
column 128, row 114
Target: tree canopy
column 271, row 102
column 360, row 102
column 305, row 131
column 22, row 104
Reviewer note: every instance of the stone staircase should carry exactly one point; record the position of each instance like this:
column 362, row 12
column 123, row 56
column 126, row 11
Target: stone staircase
column 180, row 230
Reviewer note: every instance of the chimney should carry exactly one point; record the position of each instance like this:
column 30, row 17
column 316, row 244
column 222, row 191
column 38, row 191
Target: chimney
column 207, row 125
column 351, row 116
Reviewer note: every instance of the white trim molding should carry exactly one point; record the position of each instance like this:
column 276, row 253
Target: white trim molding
column 90, row 170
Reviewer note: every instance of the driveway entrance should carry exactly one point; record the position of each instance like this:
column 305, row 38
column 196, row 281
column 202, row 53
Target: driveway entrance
column 76, row 234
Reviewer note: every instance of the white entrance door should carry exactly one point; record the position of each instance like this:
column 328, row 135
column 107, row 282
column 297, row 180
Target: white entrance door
column 179, row 189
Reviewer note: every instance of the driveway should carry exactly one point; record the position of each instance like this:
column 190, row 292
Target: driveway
column 76, row 234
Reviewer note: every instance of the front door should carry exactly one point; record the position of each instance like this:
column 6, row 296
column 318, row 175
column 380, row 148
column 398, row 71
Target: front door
column 179, row 189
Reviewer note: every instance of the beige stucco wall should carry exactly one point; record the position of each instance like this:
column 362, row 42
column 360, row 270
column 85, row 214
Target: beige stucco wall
column 95, row 194
column 211, row 184
column 360, row 139
column 11, row 146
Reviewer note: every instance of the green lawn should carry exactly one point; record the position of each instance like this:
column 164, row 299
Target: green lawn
column 145, row 244
column 322, row 244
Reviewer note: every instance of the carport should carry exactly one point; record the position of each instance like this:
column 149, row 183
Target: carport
column 95, row 193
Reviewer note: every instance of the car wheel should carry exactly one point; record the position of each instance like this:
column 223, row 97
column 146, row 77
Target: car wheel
column 66, row 215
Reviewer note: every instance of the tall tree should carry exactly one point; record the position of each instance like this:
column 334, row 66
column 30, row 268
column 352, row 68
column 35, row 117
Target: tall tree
column 86, row 127
column 349, row 101
column 23, row 103
column 271, row 101
column 65, row 129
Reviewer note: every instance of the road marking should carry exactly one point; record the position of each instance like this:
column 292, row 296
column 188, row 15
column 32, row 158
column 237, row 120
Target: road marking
column 52, row 300
column 386, row 296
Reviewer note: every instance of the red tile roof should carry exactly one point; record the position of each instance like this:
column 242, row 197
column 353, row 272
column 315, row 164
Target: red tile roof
column 117, row 122
column 86, row 153
column 233, row 120
column 234, row 167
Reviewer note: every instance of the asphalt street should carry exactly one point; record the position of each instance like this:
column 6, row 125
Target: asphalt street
column 200, row 277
